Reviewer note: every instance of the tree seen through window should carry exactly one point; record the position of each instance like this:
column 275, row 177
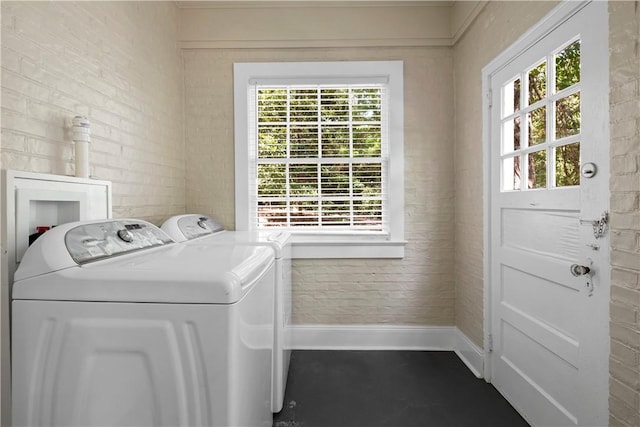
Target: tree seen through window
column 320, row 157
column 564, row 112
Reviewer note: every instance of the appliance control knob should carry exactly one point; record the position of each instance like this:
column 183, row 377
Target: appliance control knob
column 125, row 235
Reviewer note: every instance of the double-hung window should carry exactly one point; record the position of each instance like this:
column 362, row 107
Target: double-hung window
column 319, row 152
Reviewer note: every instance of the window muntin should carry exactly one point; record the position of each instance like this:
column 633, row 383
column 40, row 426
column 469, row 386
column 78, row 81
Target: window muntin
column 321, row 157
column 541, row 123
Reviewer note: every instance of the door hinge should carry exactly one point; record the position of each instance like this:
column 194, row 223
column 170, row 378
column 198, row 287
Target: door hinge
column 490, row 98
column 490, row 343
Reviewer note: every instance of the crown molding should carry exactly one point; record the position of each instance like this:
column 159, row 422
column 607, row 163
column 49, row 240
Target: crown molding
column 281, row 44
column 263, row 4
column 224, row 24
column 457, row 33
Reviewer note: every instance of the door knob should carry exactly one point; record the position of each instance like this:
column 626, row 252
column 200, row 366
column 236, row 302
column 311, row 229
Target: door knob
column 582, row 270
column 579, row 270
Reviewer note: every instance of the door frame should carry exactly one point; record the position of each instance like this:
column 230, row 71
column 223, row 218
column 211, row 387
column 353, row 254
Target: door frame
column 538, row 31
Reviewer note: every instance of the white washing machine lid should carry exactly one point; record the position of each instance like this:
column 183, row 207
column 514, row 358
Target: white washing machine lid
column 163, row 273
column 206, row 230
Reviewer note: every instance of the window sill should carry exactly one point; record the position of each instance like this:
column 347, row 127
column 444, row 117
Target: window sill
column 333, row 247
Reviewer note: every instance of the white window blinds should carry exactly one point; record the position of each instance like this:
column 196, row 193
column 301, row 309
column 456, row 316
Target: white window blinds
column 319, row 156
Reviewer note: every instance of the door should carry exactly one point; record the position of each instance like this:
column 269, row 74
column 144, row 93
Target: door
column 549, row 263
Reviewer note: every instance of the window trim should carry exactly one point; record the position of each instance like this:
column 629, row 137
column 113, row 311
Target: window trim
column 323, row 244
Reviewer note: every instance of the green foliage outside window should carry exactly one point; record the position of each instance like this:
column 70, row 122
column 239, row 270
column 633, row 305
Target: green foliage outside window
column 566, row 114
column 320, row 127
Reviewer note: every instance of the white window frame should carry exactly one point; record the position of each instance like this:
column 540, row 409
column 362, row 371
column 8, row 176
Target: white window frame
column 324, row 244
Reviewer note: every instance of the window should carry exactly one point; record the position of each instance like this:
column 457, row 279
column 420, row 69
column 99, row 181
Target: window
column 541, row 123
column 319, row 152
column 321, row 164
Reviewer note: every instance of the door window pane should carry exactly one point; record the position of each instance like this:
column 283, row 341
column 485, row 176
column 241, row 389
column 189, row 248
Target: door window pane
column 511, row 135
column 511, row 173
column 537, row 83
column 568, row 66
column 567, row 165
column 537, row 169
column 537, row 123
column 568, row 116
column 511, row 98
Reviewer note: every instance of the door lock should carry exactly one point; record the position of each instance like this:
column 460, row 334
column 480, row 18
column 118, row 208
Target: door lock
column 578, row 270
column 589, row 170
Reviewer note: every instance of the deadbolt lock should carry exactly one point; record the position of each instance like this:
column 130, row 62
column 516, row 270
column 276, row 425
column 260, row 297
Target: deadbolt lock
column 588, row 170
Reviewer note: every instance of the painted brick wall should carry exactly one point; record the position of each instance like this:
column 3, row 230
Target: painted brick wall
column 624, row 75
column 415, row 290
column 495, row 28
column 117, row 63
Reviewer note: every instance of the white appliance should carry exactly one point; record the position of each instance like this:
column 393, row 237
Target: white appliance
column 32, row 203
column 204, row 229
column 115, row 324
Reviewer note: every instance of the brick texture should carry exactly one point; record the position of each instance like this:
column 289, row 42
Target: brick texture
column 495, row 28
column 624, row 75
column 415, row 290
column 117, row 63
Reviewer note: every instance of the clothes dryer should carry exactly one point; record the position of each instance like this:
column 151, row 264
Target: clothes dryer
column 203, row 229
column 115, row 324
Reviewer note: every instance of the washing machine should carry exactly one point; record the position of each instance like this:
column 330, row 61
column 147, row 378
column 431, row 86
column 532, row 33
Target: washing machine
column 203, row 229
column 114, row 324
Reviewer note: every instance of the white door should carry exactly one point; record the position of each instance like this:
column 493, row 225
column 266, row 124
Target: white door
column 548, row 117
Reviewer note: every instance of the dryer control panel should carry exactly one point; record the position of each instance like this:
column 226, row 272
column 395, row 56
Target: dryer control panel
column 91, row 242
column 193, row 226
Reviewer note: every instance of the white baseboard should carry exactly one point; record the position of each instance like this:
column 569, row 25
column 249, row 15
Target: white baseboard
column 470, row 354
column 371, row 337
column 388, row 337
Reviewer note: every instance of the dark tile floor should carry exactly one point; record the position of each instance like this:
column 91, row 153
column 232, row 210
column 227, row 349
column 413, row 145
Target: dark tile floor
column 389, row 388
